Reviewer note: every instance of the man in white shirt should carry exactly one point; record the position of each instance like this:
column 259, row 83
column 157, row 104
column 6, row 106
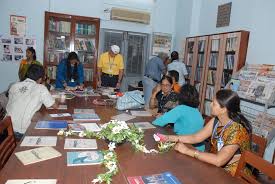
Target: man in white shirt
column 26, row 98
column 178, row 66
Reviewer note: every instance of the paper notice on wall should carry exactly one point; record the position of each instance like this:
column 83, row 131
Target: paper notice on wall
column 13, row 48
column 17, row 25
column 161, row 43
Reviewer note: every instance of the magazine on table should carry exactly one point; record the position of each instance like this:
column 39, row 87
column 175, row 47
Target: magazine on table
column 80, row 127
column 84, row 158
column 39, row 141
column 37, row 155
column 80, row 144
column 32, row 181
column 51, row 124
column 162, row 178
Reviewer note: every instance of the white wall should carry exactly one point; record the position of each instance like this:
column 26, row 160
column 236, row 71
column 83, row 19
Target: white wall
column 251, row 15
column 162, row 13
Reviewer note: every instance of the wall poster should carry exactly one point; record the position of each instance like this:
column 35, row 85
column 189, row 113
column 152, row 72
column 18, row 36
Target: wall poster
column 17, row 25
column 161, row 43
column 13, row 48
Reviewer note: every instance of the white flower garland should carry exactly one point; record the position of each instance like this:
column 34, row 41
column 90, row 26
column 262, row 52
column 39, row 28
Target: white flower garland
column 116, row 132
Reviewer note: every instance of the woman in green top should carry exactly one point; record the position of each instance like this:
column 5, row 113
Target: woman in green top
column 25, row 63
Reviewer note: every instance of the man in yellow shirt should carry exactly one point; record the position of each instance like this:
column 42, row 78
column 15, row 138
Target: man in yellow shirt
column 110, row 68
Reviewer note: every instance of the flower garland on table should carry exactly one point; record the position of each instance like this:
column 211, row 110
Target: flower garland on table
column 117, row 132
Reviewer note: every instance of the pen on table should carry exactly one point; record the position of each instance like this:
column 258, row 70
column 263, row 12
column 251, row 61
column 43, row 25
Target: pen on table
column 38, row 141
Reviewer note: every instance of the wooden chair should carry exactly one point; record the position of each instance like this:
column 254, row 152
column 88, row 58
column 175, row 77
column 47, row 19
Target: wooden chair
column 256, row 162
column 8, row 143
column 258, row 145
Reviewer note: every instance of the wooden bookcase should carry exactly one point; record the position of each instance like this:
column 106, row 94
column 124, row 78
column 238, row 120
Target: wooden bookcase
column 66, row 33
column 212, row 60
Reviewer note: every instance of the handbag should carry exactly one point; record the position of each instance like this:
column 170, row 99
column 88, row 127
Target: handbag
column 130, row 100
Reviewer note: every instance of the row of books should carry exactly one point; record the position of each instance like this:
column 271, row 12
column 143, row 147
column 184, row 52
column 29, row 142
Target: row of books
column 51, row 72
column 229, row 61
column 58, row 43
column 201, row 46
column 86, row 57
column 85, row 44
column 85, row 29
column 198, row 74
column 231, row 44
column 56, row 57
column 211, row 77
column 213, row 60
column 60, row 26
column 200, row 60
column 209, row 94
column 215, row 45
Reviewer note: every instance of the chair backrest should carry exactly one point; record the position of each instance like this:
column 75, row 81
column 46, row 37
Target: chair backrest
column 258, row 145
column 256, row 162
column 8, row 142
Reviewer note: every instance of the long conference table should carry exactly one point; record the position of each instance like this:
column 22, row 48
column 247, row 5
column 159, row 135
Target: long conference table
column 187, row 169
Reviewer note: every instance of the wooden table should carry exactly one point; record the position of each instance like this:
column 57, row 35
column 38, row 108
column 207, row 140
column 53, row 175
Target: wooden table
column 131, row 163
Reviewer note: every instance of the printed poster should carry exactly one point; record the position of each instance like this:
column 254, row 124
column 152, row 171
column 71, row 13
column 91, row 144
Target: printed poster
column 161, row 43
column 17, row 25
column 13, row 48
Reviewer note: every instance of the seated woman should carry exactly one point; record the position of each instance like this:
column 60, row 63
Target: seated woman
column 175, row 77
column 229, row 130
column 70, row 73
column 163, row 97
column 25, row 63
column 186, row 117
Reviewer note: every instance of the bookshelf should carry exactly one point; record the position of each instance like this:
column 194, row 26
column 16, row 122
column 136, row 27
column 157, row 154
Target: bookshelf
column 66, row 33
column 214, row 59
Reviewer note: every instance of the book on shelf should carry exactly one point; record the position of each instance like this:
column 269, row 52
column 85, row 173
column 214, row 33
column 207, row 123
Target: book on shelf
column 211, row 77
column 84, row 158
column 231, row 44
column 59, row 26
column 198, row 74
column 215, row 45
column 80, row 127
column 213, row 60
column 51, row 124
column 198, row 86
column 141, row 113
column 84, row 111
column 162, row 178
column 85, row 117
column 60, row 115
column 123, row 117
column 229, row 61
column 56, row 57
column 37, row 155
column 85, row 29
column 144, row 125
column 201, row 60
column 226, row 76
column 32, row 181
column 189, row 59
column 209, row 94
column 80, row 144
column 201, row 45
column 39, row 141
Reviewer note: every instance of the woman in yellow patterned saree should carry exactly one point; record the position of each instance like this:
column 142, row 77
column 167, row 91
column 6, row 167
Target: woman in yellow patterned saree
column 25, row 63
column 229, row 130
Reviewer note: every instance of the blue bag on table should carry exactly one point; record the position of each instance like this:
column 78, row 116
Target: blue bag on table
column 130, row 100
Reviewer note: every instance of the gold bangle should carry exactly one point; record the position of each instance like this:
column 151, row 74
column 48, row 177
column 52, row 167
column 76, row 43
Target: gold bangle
column 196, row 154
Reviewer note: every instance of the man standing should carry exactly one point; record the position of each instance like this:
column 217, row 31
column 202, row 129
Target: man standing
column 178, row 66
column 110, row 68
column 27, row 97
column 153, row 71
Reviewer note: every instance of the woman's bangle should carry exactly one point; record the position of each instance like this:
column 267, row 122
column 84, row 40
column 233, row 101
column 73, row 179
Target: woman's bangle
column 196, row 154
